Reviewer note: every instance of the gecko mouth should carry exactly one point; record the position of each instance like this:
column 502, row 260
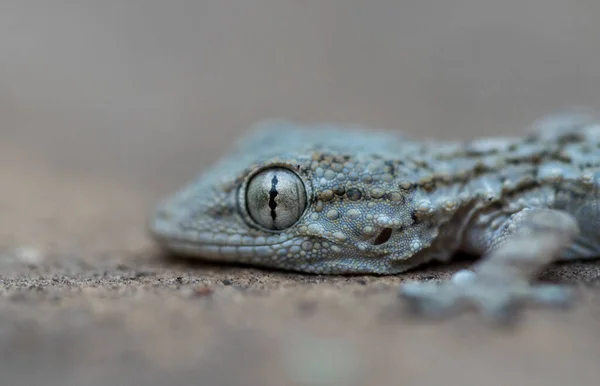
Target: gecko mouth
column 215, row 252
column 211, row 246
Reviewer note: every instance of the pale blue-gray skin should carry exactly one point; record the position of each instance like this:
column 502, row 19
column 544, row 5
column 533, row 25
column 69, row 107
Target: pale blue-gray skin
column 337, row 232
column 379, row 202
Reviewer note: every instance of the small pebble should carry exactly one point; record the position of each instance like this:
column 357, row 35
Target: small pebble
column 29, row 256
column 203, row 291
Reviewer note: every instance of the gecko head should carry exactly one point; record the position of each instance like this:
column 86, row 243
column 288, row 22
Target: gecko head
column 322, row 209
column 286, row 216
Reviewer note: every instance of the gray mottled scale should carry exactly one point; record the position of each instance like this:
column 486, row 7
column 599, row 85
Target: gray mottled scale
column 525, row 151
column 487, row 188
column 490, row 145
column 580, row 154
column 554, row 172
column 361, row 200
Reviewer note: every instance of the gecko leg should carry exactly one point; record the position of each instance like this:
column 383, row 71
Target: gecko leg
column 500, row 283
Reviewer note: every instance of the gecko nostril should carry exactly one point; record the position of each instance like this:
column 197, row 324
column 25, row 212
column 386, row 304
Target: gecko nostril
column 383, row 237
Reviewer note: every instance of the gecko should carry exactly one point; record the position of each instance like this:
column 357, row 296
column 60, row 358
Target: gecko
column 344, row 199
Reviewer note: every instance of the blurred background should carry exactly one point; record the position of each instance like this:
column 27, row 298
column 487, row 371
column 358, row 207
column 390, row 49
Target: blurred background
column 152, row 91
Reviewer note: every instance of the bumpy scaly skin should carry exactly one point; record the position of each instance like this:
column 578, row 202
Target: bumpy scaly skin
column 379, row 202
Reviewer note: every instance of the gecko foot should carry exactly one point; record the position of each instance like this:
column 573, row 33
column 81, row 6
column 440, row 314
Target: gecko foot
column 499, row 301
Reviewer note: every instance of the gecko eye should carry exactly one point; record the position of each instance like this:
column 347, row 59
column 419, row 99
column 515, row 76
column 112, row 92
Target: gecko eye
column 276, row 198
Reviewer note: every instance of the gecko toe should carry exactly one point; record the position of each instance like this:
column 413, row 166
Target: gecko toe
column 498, row 302
column 553, row 295
column 429, row 299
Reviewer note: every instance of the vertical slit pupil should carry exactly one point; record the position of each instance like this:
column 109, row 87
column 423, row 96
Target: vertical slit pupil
column 272, row 194
column 383, row 237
